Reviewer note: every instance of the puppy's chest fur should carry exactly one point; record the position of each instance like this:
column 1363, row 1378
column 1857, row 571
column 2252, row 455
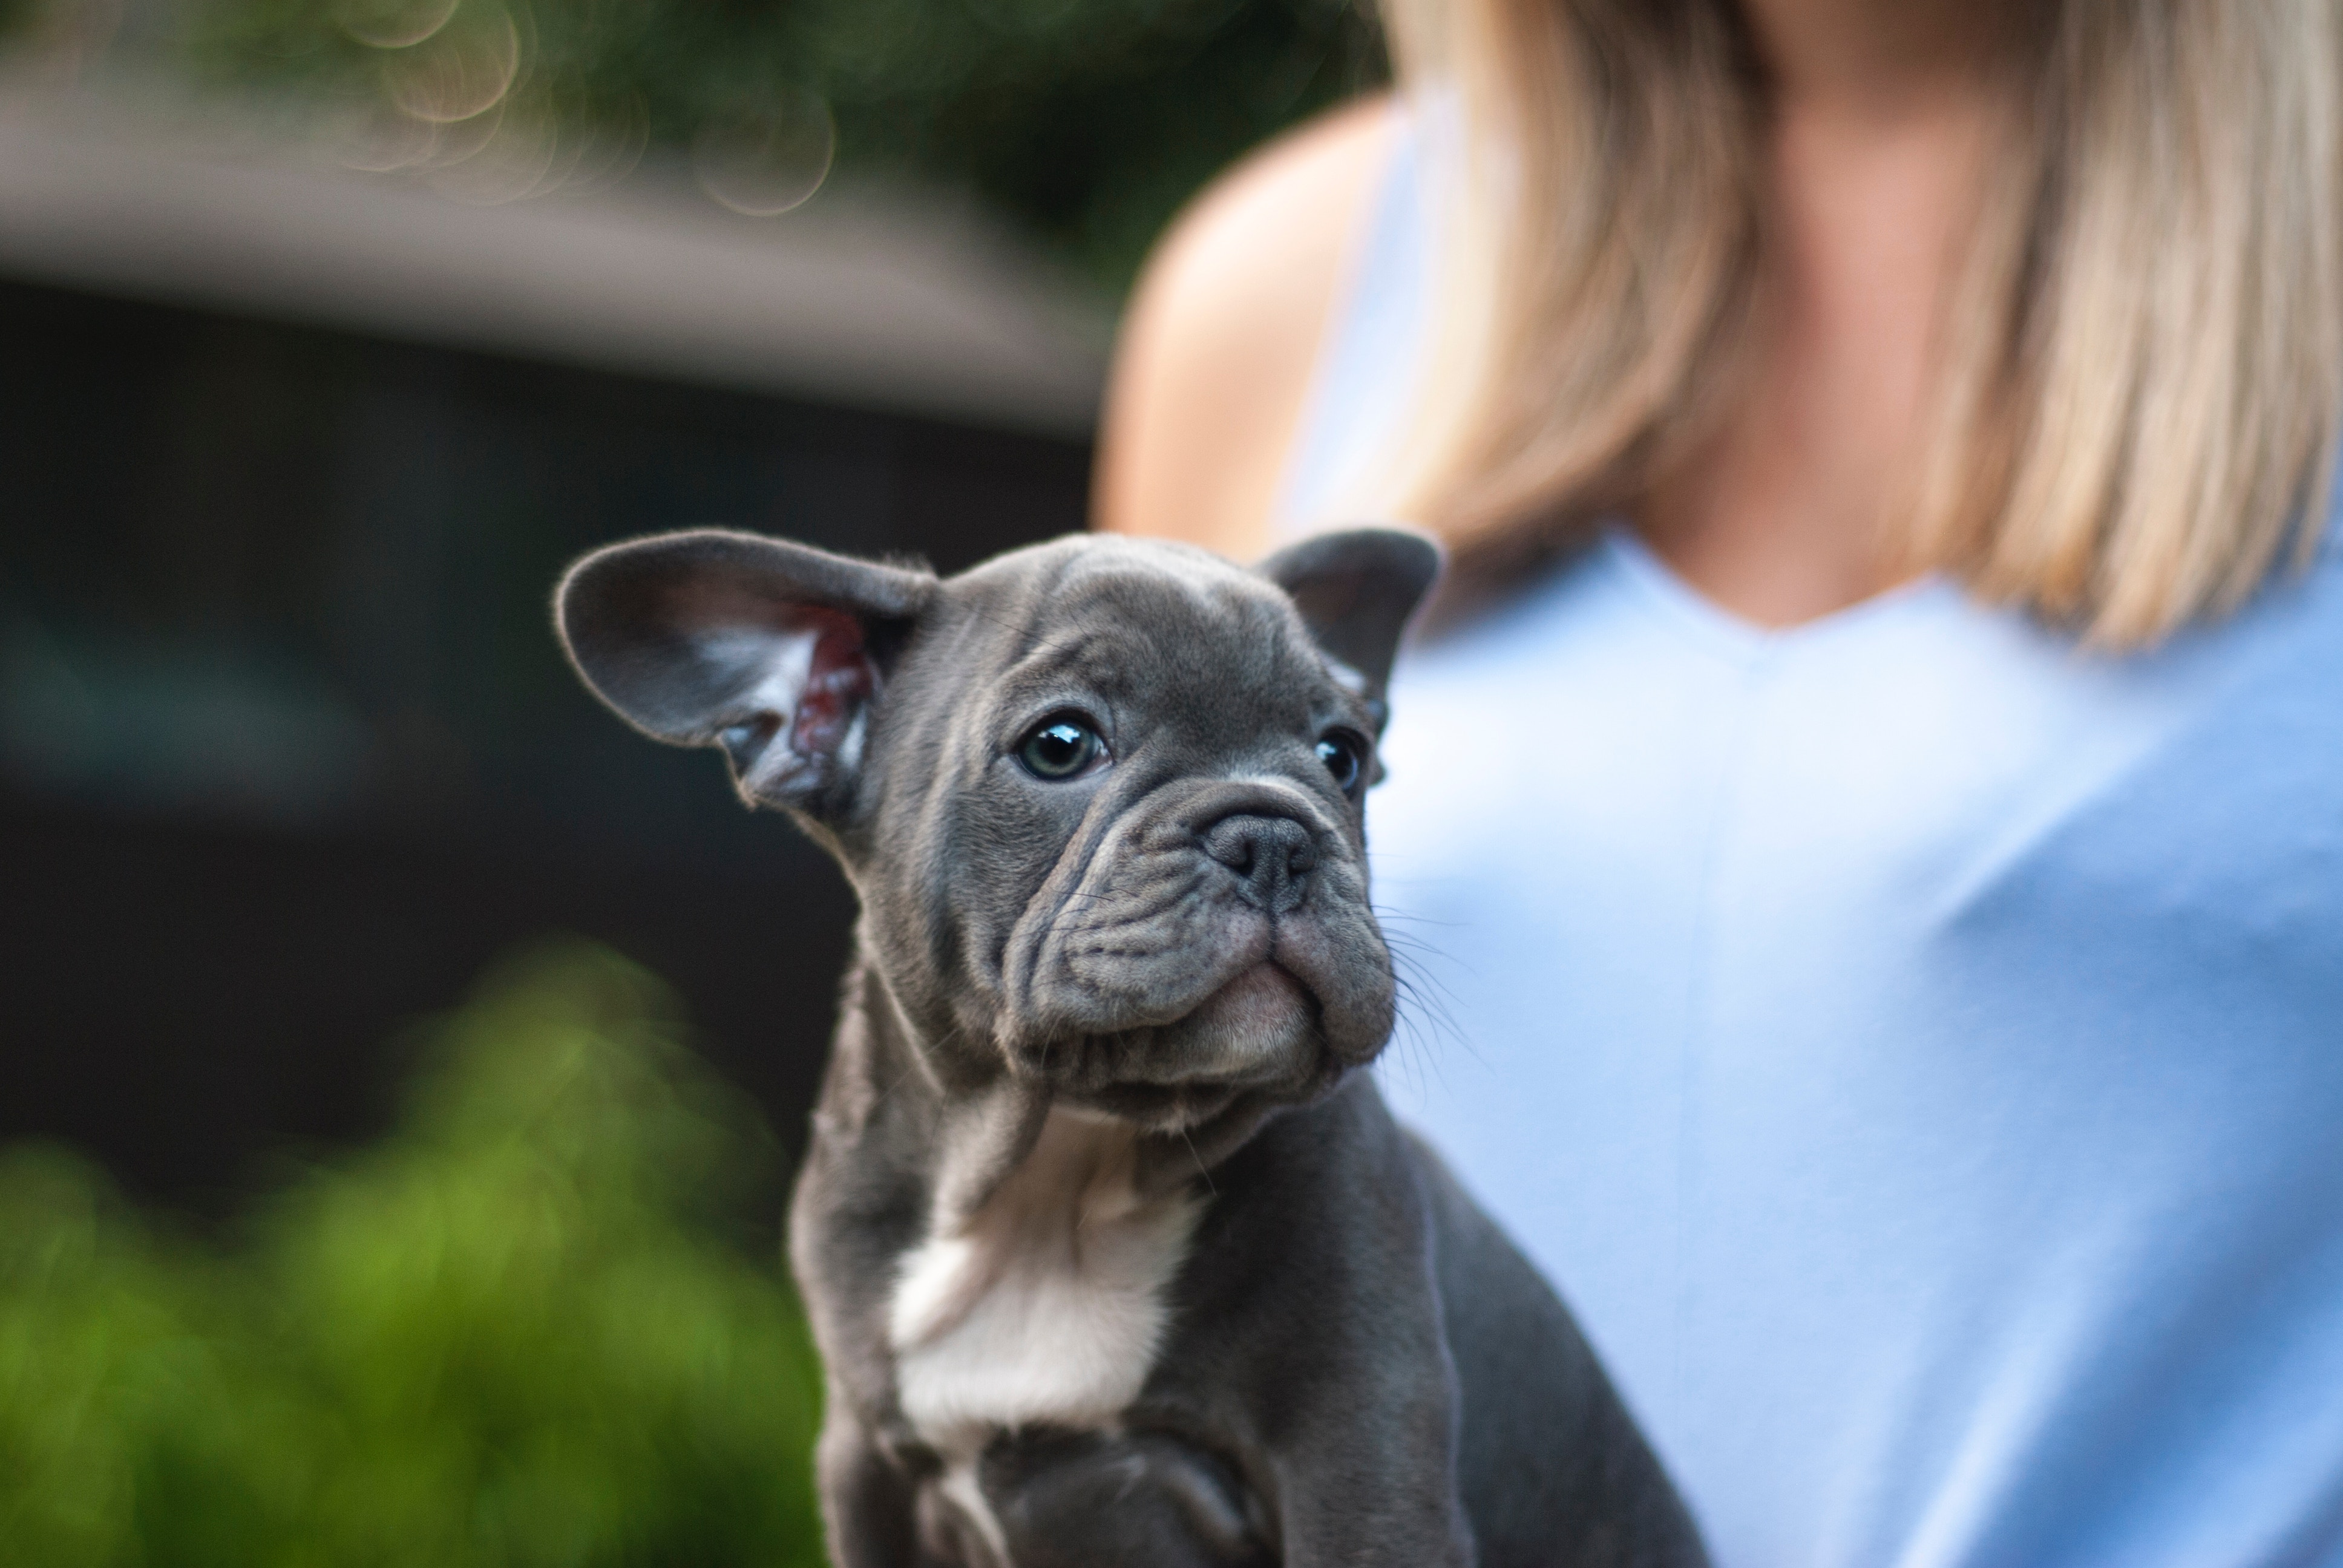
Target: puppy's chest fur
column 1050, row 1304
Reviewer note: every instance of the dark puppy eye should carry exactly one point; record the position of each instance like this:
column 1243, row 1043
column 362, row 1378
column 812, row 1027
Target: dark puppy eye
column 1345, row 757
column 1061, row 747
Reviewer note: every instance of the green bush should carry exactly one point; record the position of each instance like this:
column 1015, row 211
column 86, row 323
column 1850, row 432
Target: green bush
column 525, row 1329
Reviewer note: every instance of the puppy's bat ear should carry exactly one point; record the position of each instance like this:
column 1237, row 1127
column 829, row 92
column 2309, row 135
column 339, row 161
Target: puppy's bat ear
column 1356, row 590
column 771, row 650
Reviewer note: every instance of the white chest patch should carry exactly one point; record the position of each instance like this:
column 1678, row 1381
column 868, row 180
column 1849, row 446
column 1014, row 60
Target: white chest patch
column 1049, row 1304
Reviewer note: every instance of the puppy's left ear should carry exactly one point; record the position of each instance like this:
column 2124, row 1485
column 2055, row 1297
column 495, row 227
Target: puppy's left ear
column 773, row 651
column 1356, row 590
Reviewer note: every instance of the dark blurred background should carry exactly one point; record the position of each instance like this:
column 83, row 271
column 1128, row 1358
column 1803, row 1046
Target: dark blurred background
column 334, row 327
column 400, row 1061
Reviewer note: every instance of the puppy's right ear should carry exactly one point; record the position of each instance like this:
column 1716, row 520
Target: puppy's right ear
column 771, row 650
column 1356, row 589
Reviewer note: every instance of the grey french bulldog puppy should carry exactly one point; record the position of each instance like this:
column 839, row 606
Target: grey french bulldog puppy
column 1113, row 1255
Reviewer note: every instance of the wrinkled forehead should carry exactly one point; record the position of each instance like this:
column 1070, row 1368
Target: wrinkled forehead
column 1138, row 619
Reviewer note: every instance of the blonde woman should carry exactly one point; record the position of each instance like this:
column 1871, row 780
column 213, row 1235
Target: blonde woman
column 1871, row 809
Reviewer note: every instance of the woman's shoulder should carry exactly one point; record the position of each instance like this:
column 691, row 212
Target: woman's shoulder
column 1214, row 360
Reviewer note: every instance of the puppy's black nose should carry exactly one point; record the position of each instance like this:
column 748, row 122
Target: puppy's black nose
column 1273, row 858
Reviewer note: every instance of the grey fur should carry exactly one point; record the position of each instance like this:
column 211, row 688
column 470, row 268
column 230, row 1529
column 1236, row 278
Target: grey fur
column 1359, row 1368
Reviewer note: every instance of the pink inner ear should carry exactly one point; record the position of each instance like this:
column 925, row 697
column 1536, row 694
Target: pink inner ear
column 839, row 680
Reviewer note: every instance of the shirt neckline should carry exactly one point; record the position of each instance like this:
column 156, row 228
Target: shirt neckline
column 1734, row 637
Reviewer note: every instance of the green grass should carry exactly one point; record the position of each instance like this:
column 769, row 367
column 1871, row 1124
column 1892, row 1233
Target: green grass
column 528, row 1328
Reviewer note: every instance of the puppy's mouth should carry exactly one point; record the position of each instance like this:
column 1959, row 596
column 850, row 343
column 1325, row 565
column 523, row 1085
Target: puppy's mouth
column 1256, row 1015
column 1260, row 1031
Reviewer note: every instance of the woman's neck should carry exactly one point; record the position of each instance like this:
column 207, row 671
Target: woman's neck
column 1882, row 121
column 1863, row 58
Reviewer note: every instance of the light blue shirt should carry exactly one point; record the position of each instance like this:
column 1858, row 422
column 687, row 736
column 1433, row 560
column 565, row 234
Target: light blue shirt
column 1913, row 1044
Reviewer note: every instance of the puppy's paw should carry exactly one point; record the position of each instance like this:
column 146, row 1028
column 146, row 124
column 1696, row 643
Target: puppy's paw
column 1138, row 1500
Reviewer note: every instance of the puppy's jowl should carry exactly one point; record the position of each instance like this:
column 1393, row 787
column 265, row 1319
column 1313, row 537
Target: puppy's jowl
column 1113, row 1256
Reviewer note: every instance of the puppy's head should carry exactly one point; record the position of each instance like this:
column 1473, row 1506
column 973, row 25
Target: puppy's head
column 1100, row 798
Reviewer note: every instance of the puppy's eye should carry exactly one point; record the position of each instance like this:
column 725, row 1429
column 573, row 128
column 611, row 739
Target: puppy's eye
column 1345, row 757
column 1061, row 747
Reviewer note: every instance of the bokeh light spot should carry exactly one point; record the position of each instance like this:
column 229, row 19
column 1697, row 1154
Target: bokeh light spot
column 393, row 24
column 763, row 165
column 463, row 69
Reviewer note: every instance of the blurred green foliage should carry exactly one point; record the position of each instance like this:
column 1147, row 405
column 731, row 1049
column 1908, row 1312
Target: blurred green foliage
column 524, row 1330
column 1087, row 122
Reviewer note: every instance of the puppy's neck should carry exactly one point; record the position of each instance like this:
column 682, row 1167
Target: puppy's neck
column 964, row 1131
column 1047, row 1305
column 1036, row 1290
column 1075, row 1180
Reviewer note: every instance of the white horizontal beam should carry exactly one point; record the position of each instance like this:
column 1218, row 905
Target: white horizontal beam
column 861, row 296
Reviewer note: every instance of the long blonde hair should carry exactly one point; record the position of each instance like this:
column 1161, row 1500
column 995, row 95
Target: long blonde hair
column 2140, row 375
